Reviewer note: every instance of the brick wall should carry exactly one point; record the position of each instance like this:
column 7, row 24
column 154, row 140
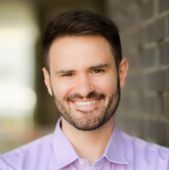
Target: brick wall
column 144, row 29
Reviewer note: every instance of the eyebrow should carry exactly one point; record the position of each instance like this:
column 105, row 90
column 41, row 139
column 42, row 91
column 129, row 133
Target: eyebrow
column 98, row 66
column 64, row 71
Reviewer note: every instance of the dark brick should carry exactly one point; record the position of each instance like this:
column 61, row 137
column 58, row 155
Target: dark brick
column 134, row 82
column 127, row 15
column 152, row 105
column 158, row 130
column 167, row 81
column 121, row 18
column 133, row 126
column 168, row 25
column 134, row 14
column 124, row 124
column 155, row 131
column 164, row 54
column 135, row 63
column 156, row 81
column 129, row 103
column 147, row 128
column 163, row 5
column 144, row 35
column 167, row 131
column 138, row 127
column 166, row 106
column 155, row 31
column 149, row 58
column 147, row 8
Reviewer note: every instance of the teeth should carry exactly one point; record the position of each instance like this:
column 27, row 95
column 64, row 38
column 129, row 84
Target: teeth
column 85, row 103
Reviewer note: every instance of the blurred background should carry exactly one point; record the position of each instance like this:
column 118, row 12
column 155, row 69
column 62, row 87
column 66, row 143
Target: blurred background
column 26, row 110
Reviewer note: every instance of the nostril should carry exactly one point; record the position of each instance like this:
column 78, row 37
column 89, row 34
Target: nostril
column 85, row 90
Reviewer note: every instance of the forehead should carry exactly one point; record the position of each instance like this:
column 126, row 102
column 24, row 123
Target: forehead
column 80, row 51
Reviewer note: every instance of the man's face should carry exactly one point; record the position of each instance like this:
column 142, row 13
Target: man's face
column 84, row 80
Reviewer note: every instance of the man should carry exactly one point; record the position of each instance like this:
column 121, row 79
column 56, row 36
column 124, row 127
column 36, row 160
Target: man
column 85, row 72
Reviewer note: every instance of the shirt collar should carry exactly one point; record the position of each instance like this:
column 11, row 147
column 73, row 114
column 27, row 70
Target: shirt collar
column 115, row 151
column 65, row 153
column 63, row 150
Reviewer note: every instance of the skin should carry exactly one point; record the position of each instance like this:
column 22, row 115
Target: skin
column 85, row 83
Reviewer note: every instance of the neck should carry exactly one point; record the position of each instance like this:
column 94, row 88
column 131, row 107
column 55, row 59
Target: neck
column 89, row 145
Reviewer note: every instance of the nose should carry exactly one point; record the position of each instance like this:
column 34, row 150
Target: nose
column 84, row 85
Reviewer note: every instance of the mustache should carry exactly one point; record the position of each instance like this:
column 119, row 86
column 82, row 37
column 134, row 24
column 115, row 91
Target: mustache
column 91, row 95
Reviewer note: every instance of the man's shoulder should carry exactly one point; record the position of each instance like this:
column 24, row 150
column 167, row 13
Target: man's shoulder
column 139, row 150
column 31, row 146
column 142, row 144
column 28, row 151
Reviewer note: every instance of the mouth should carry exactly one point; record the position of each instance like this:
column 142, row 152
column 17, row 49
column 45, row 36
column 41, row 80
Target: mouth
column 85, row 105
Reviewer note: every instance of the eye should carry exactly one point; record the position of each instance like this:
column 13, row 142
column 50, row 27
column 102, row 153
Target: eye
column 98, row 70
column 67, row 74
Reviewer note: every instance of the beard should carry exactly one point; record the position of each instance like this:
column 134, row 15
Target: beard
column 90, row 120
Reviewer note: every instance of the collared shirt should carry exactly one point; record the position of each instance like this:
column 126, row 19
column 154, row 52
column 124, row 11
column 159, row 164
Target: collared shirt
column 54, row 152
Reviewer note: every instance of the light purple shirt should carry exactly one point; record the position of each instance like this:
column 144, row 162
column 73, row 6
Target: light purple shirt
column 54, row 152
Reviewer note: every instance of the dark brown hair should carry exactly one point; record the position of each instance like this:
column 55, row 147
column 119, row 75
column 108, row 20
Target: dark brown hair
column 82, row 22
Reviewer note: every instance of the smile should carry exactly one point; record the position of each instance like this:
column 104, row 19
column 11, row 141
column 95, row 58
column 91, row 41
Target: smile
column 85, row 106
column 85, row 103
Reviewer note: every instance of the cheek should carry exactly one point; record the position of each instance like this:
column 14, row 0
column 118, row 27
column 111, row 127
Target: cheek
column 107, row 85
column 61, row 90
column 108, row 88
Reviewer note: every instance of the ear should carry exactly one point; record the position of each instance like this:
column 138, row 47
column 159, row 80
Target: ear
column 123, row 70
column 47, row 80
